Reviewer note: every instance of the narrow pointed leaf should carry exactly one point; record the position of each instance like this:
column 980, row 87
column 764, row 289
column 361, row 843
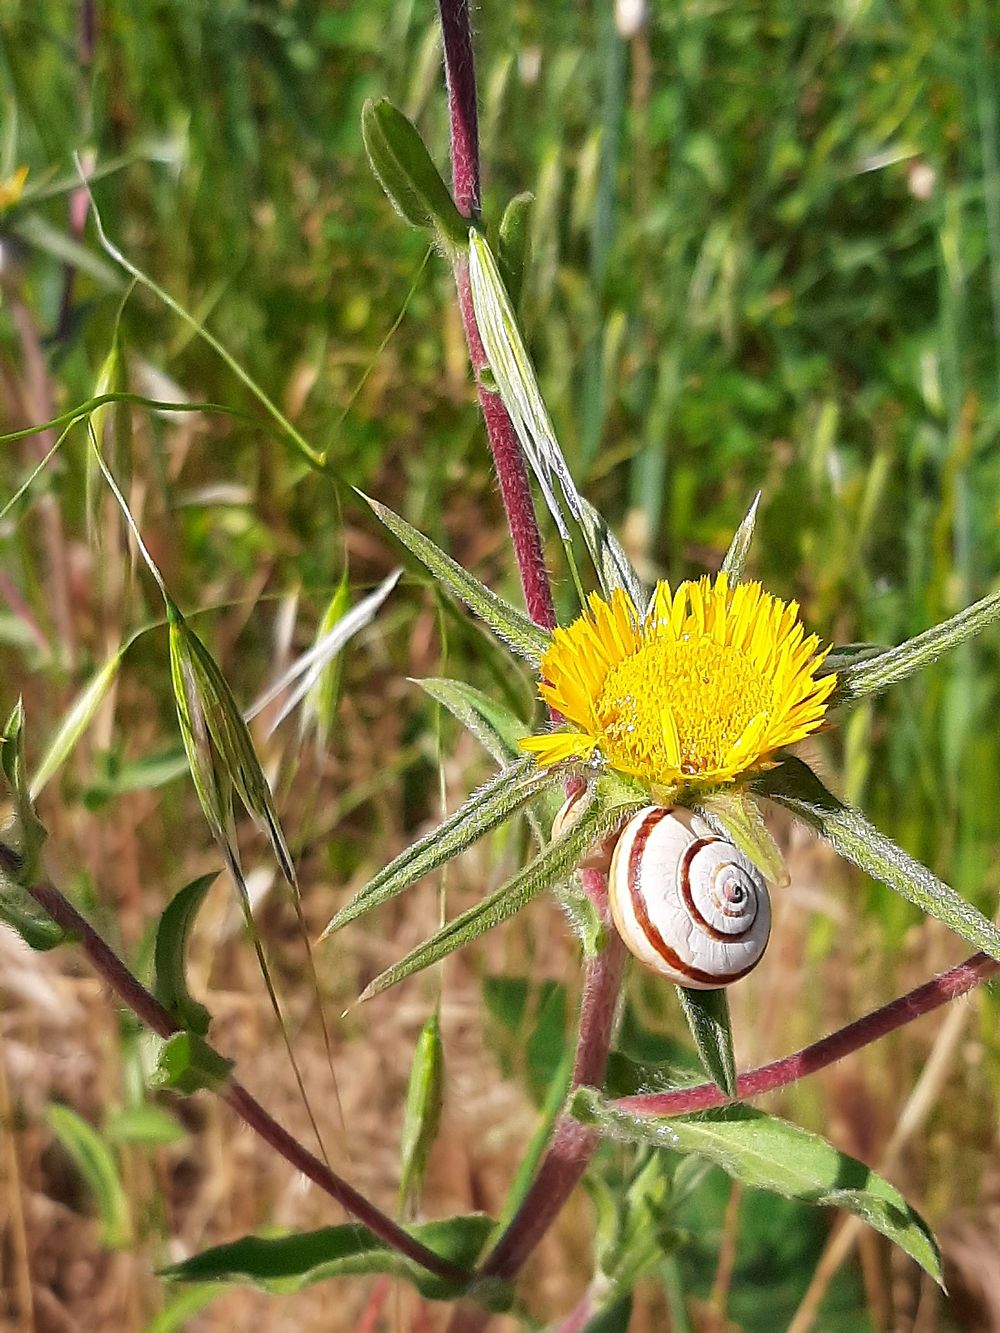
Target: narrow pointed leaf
column 422, row 1117
column 794, row 785
column 707, row 1013
column 485, row 809
column 888, row 667
column 525, row 638
column 75, row 723
column 321, row 705
column 764, row 1152
column 97, row 1164
column 739, row 547
column 498, row 730
column 735, row 815
column 170, row 956
column 516, row 383
column 287, row 1263
column 495, row 727
column 552, row 865
column 614, row 569
column 207, row 710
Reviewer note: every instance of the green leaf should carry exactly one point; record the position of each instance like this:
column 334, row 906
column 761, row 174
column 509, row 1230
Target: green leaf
column 294, row 1261
column 96, row 1163
column 404, row 169
column 75, row 723
column 525, row 638
column 495, row 727
column 552, row 865
column 170, row 956
column 614, row 569
column 739, row 547
column 217, row 738
column 147, row 1125
column 498, row 731
column 422, row 1117
column 485, row 809
column 707, row 1013
column 36, row 929
column 323, row 698
column 188, row 1064
column 889, row 666
column 23, row 833
column 735, row 815
column 515, row 242
column 516, row 383
column 794, row 785
column 764, row 1152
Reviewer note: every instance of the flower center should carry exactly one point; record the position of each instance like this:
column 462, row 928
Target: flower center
column 680, row 704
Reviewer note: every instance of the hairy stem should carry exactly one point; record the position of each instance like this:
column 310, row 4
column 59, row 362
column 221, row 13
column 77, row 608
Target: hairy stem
column 896, row 1014
column 508, row 458
column 146, row 1007
column 574, row 1144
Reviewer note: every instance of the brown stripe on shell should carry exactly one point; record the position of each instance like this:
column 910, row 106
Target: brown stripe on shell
column 724, row 937
column 653, row 936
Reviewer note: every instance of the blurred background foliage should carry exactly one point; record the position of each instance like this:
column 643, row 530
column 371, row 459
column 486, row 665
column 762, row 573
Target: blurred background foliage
column 765, row 255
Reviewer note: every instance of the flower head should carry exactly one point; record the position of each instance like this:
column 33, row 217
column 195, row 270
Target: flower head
column 703, row 688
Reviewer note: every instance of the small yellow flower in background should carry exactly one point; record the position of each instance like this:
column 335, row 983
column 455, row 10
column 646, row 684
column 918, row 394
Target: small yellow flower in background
column 702, row 689
column 12, row 188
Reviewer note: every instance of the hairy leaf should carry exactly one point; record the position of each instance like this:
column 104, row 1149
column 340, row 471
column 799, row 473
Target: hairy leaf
column 794, row 785
column 707, row 1013
column 517, row 631
column 763, row 1152
column 881, row 669
column 552, row 865
column 287, row 1263
column 490, row 806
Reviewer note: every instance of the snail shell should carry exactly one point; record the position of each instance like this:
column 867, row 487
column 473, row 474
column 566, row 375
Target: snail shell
column 686, row 902
column 598, row 857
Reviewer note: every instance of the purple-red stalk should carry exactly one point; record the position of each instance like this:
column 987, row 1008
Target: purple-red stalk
column 508, row 457
column 146, row 1007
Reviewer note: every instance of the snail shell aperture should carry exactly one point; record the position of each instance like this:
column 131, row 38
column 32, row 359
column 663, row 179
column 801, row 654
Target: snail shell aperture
column 688, row 903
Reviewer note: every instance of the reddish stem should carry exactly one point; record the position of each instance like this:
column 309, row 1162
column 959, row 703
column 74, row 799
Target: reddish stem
column 146, row 1007
column 576, row 1148
column 508, row 457
column 948, row 986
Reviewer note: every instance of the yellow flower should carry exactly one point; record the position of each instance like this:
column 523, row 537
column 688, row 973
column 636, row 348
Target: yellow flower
column 706, row 686
column 12, row 188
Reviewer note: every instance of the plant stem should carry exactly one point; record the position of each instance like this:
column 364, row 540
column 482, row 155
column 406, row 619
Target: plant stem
column 146, row 1007
column 931, row 995
column 574, row 1144
column 508, row 458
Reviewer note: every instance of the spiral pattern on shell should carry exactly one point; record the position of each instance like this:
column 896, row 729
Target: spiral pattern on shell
column 687, row 903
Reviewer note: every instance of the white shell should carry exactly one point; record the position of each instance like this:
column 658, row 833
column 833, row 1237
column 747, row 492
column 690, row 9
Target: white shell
column 598, row 857
column 706, row 909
